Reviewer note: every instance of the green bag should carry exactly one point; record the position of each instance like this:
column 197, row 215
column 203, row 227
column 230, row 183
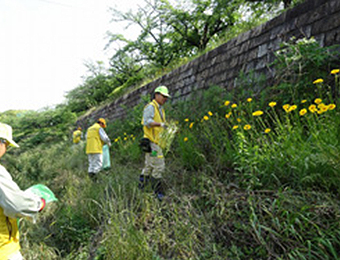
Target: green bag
column 43, row 192
column 106, row 158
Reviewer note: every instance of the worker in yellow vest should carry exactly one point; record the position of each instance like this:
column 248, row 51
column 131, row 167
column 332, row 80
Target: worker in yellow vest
column 154, row 123
column 96, row 137
column 77, row 135
column 14, row 203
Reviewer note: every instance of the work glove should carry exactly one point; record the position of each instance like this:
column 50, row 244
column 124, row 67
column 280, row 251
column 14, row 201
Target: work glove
column 165, row 126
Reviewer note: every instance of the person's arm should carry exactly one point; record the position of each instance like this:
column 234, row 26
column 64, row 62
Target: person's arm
column 104, row 137
column 148, row 116
column 16, row 202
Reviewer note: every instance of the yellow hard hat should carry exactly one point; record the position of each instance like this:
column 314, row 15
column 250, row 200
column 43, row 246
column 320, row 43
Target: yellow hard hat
column 102, row 120
column 163, row 90
column 6, row 133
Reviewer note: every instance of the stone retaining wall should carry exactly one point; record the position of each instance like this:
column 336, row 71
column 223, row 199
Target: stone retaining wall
column 250, row 51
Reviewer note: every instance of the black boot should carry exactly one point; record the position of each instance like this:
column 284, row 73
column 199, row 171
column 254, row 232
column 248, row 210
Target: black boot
column 143, row 182
column 157, row 188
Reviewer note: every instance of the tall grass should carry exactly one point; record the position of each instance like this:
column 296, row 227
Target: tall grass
column 246, row 178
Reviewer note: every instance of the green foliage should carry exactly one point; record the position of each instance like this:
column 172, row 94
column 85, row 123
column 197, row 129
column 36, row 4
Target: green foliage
column 246, row 178
column 298, row 64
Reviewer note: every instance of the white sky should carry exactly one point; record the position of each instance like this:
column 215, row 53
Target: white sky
column 45, row 43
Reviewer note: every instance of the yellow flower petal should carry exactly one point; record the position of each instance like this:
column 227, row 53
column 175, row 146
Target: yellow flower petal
column 267, row 130
column 303, row 112
column 227, row 103
column 234, row 105
column 247, row 127
column 286, row 107
column 185, row 139
column 331, row 106
column 258, row 113
column 335, row 71
column 317, row 100
column 317, row 81
column 249, row 99
column 272, row 104
column 235, row 127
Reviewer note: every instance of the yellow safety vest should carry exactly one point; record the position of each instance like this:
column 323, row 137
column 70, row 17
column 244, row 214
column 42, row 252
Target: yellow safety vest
column 9, row 235
column 153, row 133
column 76, row 136
column 93, row 142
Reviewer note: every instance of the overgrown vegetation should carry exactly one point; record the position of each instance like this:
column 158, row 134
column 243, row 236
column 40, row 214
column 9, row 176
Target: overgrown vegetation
column 171, row 34
column 249, row 176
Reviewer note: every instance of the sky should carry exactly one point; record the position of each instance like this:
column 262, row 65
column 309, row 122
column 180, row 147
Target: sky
column 45, row 43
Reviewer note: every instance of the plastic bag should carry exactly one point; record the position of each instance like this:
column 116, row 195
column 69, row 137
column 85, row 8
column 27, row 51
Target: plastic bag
column 43, row 192
column 106, row 158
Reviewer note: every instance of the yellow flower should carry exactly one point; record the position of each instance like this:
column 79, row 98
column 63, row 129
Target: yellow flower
column 249, row 99
column 235, row 127
column 317, row 81
column 185, row 139
column 335, row 71
column 312, row 108
column 272, row 104
column 323, row 107
column 116, row 140
column 191, row 125
column 303, row 112
column 176, row 122
column 239, row 120
column 124, row 133
column 303, row 101
column 227, row 103
column 258, row 113
column 319, row 112
column 206, row 118
column 210, row 114
column 267, row 130
column 228, row 115
column 331, row 106
column 234, row 105
column 131, row 135
column 318, row 101
column 125, row 138
column 286, row 107
column 186, row 120
column 247, row 127
column 292, row 108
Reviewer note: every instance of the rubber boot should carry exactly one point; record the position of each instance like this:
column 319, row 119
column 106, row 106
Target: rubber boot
column 157, row 188
column 143, row 182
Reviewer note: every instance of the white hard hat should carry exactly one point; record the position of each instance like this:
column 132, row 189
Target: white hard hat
column 6, row 133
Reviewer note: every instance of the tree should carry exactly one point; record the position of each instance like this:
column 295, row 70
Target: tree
column 200, row 22
column 154, row 45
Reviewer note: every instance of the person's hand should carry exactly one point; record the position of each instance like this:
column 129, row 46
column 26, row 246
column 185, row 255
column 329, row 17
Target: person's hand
column 165, row 126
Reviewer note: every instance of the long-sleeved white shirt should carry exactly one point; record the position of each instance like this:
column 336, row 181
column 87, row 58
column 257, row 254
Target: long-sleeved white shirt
column 14, row 201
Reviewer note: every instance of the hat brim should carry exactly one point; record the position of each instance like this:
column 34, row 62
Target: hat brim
column 12, row 143
column 164, row 94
